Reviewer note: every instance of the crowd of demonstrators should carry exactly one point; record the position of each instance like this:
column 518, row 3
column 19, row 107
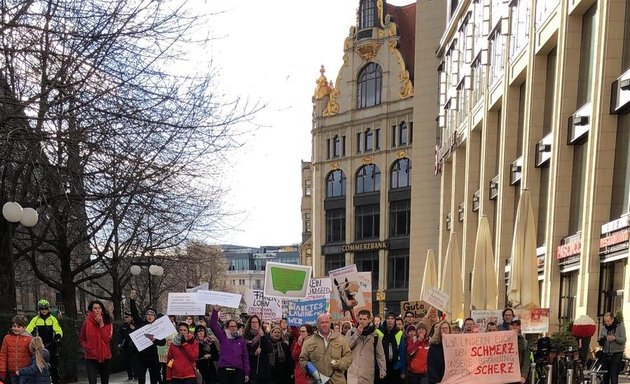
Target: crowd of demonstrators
column 95, row 335
column 397, row 350
column 46, row 326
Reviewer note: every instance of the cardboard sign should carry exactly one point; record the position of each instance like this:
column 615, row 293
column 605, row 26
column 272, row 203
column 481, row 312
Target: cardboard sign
column 305, row 311
column 319, row 289
column 184, row 304
column 436, row 298
column 483, row 316
column 267, row 308
column 224, row 299
column 159, row 329
column 286, row 280
column 535, row 320
column 485, row 358
column 346, row 296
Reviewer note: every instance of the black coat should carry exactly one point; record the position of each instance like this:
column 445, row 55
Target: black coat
column 435, row 363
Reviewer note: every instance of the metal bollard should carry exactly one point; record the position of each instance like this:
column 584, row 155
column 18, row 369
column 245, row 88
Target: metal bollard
column 550, row 374
column 570, row 376
column 532, row 373
column 594, row 378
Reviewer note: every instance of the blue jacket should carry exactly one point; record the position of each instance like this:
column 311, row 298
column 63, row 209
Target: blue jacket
column 31, row 374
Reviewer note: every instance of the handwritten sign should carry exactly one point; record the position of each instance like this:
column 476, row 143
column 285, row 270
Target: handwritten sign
column 535, row 320
column 184, row 304
column 483, row 316
column 488, row 358
column 267, row 308
column 436, row 298
column 286, row 280
column 160, row 329
column 319, row 288
column 305, row 311
column 224, row 299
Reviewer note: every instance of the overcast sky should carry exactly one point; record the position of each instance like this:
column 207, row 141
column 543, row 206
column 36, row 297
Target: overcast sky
column 271, row 51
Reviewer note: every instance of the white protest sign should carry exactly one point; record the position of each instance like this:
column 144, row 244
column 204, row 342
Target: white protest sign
column 436, row 298
column 319, row 289
column 200, row 286
column 267, row 308
column 484, row 358
column 160, row 329
column 184, row 304
column 224, row 299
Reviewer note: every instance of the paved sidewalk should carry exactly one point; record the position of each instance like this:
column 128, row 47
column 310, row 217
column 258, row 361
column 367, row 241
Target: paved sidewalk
column 114, row 378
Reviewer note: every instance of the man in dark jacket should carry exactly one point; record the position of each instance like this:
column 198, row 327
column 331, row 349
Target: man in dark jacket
column 391, row 337
column 148, row 359
column 125, row 345
column 523, row 350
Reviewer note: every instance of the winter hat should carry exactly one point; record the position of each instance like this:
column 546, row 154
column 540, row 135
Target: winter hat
column 150, row 311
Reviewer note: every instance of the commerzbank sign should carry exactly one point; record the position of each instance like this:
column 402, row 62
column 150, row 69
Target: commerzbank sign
column 368, row 246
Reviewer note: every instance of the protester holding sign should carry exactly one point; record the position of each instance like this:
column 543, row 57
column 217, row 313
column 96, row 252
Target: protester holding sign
column 95, row 335
column 233, row 362
column 148, row 359
column 258, row 349
column 508, row 316
column 435, row 357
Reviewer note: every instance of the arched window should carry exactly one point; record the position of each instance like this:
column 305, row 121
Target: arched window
column 367, row 14
column 336, row 184
column 401, row 173
column 368, row 179
column 370, row 86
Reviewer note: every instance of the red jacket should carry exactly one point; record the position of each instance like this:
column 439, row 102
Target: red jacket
column 14, row 353
column 298, row 372
column 95, row 339
column 184, row 358
column 417, row 353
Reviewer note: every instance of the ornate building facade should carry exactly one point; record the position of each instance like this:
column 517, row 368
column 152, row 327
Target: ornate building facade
column 372, row 195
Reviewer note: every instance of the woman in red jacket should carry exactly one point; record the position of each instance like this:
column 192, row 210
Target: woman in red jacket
column 417, row 352
column 182, row 356
column 299, row 375
column 96, row 332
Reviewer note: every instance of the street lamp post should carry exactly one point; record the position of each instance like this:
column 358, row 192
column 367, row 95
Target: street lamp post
column 153, row 270
column 12, row 214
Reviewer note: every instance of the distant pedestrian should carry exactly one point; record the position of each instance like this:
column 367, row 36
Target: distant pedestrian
column 612, row 338
column 39, row 370
column 96, row 333
column 46, row 326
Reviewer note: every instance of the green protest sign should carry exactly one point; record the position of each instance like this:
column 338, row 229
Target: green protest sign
column 286, row 280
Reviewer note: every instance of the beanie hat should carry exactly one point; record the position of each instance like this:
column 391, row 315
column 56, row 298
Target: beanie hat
column 150, row 311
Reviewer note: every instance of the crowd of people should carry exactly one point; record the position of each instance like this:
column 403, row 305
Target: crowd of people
column 396, row 350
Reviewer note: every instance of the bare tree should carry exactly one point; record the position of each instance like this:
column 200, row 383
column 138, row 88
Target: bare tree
column 129, row 150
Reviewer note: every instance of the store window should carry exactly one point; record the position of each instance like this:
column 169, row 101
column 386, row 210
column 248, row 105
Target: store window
column 398, row 269
column 568, row 295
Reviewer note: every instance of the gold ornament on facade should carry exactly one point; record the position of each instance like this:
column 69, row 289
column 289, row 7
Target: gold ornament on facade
column 332, row 108
column 368, row 52
column 367, row 160
column 406, row 90
column 323, row 87
column 401, row 154
column 335, row 165
column 379, row 6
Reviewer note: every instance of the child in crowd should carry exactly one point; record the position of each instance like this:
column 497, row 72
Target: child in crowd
column 14, row 353
column 39, row 370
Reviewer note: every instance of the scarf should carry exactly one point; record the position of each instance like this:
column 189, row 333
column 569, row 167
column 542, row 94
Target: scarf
column 232, row 336
column 612, row 326
column 256, row 338
column 277, row 356
column 368, row 330
column 93, row 335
